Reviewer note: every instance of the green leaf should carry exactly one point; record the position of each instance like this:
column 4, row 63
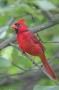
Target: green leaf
column 4, row 62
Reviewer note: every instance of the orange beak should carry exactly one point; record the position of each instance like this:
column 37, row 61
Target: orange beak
column 13, row 26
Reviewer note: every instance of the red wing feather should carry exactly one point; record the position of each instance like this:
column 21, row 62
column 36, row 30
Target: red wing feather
column 35, row 39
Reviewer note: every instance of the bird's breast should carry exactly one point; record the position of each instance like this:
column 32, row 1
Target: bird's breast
column 27, row 45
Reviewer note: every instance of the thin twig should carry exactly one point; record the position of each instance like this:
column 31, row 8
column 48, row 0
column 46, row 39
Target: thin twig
column 51, row 42
column 19, row 67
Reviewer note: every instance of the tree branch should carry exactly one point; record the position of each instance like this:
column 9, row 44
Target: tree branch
column 33, row 29
column 43, row 26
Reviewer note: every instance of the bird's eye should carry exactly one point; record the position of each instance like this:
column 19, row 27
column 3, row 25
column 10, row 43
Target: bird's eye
column 18, row 25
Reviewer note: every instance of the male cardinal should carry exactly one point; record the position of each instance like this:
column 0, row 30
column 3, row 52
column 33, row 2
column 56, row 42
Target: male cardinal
column 29, row 43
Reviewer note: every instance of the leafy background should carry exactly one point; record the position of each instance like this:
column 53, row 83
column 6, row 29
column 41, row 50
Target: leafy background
column 22, row 9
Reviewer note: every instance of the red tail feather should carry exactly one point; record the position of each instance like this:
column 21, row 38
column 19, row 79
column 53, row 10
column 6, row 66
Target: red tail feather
column 47, row 67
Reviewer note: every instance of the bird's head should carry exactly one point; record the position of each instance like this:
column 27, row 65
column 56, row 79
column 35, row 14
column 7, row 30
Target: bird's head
column 19, row 26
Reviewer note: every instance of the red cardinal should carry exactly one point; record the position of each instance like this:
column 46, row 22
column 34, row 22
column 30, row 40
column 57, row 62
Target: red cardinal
column 29, row 43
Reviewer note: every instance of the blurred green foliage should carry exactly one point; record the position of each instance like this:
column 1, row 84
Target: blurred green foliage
column 25, row 9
